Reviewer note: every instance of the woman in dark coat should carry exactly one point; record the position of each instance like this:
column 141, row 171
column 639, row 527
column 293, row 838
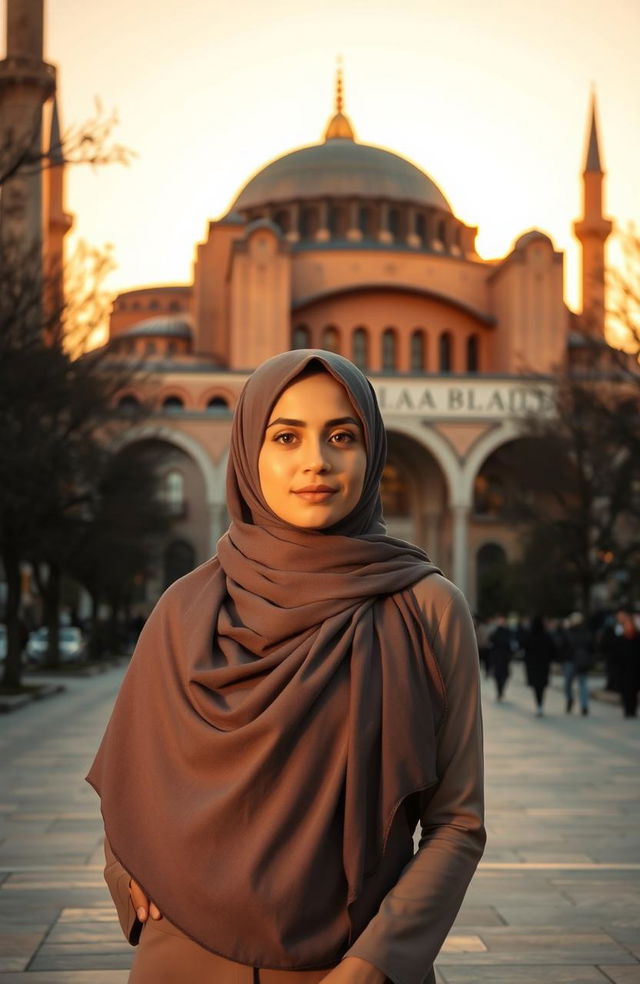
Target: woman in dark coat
column 625, row 652
column 539, row 651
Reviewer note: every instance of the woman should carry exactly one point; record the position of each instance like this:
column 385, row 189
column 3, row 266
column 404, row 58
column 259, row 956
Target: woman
column 539, row 652
column 626, row 659
column 293, row 707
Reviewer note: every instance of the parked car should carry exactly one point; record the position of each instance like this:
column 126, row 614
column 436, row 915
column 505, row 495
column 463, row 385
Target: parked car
column 72, row 644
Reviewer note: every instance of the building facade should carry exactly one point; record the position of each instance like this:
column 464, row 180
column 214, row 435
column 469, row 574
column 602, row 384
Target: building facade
column 352, row 248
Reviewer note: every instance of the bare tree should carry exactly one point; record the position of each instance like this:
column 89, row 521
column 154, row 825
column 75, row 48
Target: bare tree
column 56, row 420
column 90, row 142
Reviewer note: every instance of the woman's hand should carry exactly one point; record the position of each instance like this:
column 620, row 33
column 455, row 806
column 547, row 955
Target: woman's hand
column 353, row 970
column 142, row 904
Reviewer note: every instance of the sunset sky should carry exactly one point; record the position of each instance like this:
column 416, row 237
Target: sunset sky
column 490, row 99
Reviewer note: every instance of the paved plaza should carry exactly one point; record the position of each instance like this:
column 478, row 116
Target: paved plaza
column 556, row 899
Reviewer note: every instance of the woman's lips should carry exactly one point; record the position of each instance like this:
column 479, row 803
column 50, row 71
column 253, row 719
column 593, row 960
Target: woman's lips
column 315, row 493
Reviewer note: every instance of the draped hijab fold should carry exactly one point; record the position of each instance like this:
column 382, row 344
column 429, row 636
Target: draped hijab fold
column 276, row 713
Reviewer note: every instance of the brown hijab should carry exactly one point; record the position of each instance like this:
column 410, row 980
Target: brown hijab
column 276, row 713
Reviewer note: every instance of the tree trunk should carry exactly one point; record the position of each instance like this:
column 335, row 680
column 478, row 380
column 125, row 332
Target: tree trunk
column 94, row 647
column 51, row 602
column 12, row 675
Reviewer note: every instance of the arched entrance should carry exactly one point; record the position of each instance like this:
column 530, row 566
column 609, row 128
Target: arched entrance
column 181, row 490
column 414, row 496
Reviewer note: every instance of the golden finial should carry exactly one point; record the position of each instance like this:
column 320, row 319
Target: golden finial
column 339, row 126
column 339, row 86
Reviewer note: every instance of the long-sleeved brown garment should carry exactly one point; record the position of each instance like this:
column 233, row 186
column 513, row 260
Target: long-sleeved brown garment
column 404, row 936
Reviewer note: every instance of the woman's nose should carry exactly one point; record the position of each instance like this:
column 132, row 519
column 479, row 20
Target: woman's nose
column 317, row 457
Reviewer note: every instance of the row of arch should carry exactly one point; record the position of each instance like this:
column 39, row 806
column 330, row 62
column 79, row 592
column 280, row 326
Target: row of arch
column 358, row 348
column 419, row 227
column 175, row 403
column 153, row 304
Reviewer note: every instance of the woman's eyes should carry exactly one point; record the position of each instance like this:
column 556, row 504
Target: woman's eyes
column 341, row 437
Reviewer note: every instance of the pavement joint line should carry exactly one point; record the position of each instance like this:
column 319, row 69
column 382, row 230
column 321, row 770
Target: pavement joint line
column 483, row 866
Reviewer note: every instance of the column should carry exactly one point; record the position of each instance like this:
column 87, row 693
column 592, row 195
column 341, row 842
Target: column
column 431, row 524
column 294, row 223
column 217, row 524
column 460, row 513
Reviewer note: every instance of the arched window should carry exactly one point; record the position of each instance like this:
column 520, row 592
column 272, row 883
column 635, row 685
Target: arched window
column 301, row 337
column 218, row 406
column 174, row 305
column 129, row 403
column 394, row 223
column 441, row 234
column 331, row 339
column 150, row 348
column 282, row 220
column 421, row 228
column 417, row 350
column 173, row 404
column 179, row 559
column 171, row 348
column 172, row 493
column 153, row 305
column 473, row 352
column 309, row 223
column 365, row 221
column 389, row 350
column 444, row 353
column 337, row 222
column 360, row 348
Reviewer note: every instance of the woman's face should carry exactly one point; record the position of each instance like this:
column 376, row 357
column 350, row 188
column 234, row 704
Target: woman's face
column 313, row 460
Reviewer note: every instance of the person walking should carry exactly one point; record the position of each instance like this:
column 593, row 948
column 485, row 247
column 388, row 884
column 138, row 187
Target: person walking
column 502, row 646
column 293, row 708
column 539, row 652
column 625, row 649
column 577, row 656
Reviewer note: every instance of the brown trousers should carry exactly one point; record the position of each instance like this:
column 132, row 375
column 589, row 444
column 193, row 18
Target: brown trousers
column 165, row 955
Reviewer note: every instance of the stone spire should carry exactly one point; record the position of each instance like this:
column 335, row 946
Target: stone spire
column 592, row 162
column 339, row 126
column 593, row 230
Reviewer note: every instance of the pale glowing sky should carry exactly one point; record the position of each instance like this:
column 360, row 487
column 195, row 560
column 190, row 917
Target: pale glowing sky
column 489, row 98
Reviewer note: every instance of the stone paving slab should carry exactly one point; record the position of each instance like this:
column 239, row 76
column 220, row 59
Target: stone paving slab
column 556, row 899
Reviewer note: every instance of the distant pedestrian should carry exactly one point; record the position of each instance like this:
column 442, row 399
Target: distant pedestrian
column 483, row 632
column 577, row 658
column 502, row 645
column 539, row 652
column 625, row 652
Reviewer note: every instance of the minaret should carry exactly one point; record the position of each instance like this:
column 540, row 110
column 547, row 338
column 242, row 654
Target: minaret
column 593, row 230
column 26, row 82
column 57, row 222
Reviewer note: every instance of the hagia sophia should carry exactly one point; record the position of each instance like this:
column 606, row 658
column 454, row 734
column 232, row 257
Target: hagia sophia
column 350, row 247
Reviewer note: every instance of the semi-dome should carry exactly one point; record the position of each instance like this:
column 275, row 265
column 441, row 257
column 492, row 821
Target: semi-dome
column 341, row 168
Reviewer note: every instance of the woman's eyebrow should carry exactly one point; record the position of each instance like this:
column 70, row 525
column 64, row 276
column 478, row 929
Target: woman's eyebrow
column 287, row 421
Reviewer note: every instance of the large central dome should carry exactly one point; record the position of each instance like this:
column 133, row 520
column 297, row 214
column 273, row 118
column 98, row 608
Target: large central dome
column 341, row 168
